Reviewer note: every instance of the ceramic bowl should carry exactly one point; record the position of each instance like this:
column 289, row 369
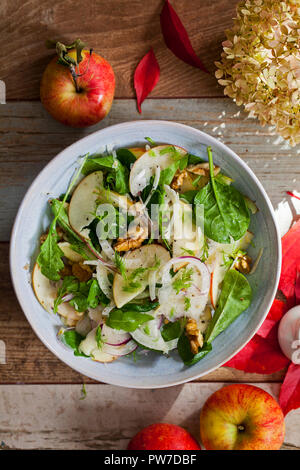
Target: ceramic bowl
column 151, row 370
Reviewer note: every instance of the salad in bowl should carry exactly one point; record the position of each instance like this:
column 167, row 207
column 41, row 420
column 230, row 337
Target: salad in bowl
column 147, row 250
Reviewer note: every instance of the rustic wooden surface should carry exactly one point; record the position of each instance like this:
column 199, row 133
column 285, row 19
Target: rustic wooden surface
column 54, row 416
column 121, row 31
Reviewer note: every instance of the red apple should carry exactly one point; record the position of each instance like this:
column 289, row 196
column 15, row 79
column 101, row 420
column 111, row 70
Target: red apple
column 79, row 95
column 163, row 436
column 241, row 417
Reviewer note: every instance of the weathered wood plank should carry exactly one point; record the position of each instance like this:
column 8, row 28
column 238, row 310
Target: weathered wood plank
column 119, row 30
column 54, row 417
column 30, row 138
column 29, row 361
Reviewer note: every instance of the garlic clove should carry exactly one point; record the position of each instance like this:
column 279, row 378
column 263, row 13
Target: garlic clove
column 289, row 334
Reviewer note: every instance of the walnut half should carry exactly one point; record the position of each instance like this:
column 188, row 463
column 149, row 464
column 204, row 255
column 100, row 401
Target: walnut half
column 243, row 264
column 194, row 335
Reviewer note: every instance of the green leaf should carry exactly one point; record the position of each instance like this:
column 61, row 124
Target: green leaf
column 144, row 307
column 70, row 284
column 183, row 280
column 127, row 320
column 118, row 176
column 125, row 157
column 99, row 339
column 226, row 215
column 189, row 196
column 151, row 141
column 235, row 297
column 184, row 351
column 173, row 330
column 73, row 339
column 95, row 295
column 50, row 256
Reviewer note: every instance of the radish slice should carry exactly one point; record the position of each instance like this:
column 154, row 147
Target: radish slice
column 122, row 350
column 201, row 267
column 114, row 337
column 172, row 304
column 149, row 335
column 67, row 297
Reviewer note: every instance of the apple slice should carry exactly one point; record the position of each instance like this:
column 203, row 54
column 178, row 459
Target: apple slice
column 121, row 201
column 145, row 166
column 137, row 151
column 83, row 203
column 89, row 347
column 46, row 293
column 69, row 253
column 146, row 256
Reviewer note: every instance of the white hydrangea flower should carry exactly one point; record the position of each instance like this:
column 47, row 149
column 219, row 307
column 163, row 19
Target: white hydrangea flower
column 260, row 63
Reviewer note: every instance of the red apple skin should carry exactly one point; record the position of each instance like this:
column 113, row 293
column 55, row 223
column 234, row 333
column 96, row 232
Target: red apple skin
column 241, row 405
column 163, row 436
column 89, row 106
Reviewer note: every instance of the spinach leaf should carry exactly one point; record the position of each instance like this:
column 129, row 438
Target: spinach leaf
column 95, row 295
column 194, row 159
column 127, row 320
column 172, row 330
column 235, row 297
column 126, row 157
column 189, row 196
column 184, row 351
column 73, row 339
column 226, row 215
column 63, row 219
column 118, row 173
column 50, row 256
column 145, row 307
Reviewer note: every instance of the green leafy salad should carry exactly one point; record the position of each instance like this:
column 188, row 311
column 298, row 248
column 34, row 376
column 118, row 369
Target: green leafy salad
column 147, row 250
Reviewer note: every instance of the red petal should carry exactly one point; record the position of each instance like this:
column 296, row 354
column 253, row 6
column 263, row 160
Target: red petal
column 176, row 37
column 290, row 263
column 260, row 355
column 289, row 398
column 146, row 76
column 278, row 309
column 292, row 194
column 297, row 289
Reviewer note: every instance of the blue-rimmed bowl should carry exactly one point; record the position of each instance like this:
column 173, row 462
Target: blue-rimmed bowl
column 151, row 370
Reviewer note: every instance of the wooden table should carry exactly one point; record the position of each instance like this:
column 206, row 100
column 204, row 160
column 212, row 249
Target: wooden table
column 40, row 404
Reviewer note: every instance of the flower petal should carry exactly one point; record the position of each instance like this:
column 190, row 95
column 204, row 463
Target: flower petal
column 176, row 37
column 261, row 356
column 289, row 397
column 146, row 76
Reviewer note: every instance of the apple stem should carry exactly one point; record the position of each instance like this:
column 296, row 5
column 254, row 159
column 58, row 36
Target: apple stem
column 74, row 76
column 241, row 427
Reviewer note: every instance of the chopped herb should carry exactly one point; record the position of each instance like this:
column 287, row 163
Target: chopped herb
column 83, row 392
column 99, row 339
column 187, row 304
column 151, row 141
column 184, row 280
